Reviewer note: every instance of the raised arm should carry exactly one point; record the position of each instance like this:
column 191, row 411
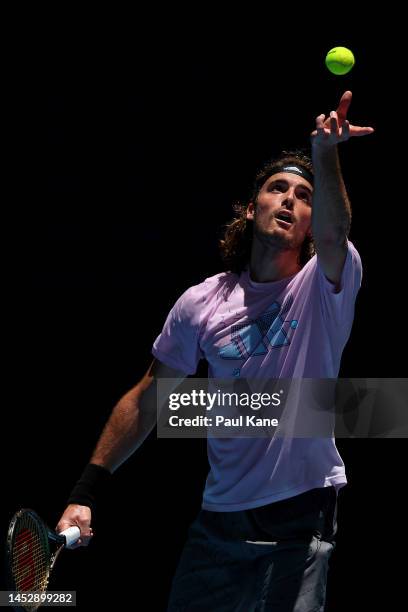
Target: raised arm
column 131, row 421
column 331, row 213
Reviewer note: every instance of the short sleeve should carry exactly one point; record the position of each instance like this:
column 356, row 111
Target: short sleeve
column 177, row 346
column 338, row 307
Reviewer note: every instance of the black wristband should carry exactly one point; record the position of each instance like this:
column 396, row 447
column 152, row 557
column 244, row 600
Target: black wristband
column 92, row 483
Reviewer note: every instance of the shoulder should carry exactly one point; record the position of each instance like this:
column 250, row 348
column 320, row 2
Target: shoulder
column 194, row 299
column 210, row 288
column 337, row 300
column 352, row 262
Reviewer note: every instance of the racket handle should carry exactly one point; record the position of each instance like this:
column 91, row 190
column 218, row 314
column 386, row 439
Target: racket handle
column 71, row 535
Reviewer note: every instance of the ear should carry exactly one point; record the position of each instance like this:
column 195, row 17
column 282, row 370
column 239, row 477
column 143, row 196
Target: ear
column 250, row 211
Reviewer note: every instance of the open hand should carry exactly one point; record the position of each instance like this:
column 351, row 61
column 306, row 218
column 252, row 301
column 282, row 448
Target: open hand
column 336, row 128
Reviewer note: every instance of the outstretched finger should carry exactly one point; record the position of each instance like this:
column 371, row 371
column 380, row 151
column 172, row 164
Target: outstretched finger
column 320, row 125
column 345, row 130
column 360, row 131
column 343, row 106
column 334, row 125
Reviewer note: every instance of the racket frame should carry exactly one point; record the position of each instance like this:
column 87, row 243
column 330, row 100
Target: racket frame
column 47, row 536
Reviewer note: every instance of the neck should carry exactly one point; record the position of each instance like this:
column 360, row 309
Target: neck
column 270, row 263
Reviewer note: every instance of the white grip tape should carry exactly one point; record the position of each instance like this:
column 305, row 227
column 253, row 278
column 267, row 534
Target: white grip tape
column 71, row 535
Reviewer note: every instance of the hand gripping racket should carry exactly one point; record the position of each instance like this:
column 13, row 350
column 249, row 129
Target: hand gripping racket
column 32, row 549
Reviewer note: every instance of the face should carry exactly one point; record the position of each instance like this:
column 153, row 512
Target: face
column 282, row 212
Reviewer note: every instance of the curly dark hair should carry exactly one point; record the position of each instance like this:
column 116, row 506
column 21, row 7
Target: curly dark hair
column 236, row 245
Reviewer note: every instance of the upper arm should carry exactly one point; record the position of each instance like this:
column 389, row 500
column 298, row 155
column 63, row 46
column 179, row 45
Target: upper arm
column 178, row 343
column 331, row 257
column 148, row 385
column 145, row 391
column 158, row 369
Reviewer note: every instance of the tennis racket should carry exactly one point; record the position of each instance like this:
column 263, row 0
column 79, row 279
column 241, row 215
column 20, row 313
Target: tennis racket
column 32, row 549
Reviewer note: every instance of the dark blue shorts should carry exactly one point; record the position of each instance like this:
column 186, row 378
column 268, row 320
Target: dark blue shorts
column 272, row 558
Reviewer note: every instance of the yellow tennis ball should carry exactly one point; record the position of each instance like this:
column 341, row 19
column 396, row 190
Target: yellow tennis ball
column 339, row 60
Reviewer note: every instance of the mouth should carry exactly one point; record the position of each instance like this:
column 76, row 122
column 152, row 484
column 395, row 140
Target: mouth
column 284, row 218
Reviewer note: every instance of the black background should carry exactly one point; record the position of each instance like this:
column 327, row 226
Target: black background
column 130, row 140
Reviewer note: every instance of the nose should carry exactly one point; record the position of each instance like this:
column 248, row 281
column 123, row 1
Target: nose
column 288, row 200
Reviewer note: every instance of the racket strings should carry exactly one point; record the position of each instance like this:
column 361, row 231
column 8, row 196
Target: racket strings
column 23, row 574
column 30, row 561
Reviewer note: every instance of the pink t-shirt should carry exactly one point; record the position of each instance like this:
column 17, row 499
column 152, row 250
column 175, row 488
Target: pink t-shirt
column 293, row 328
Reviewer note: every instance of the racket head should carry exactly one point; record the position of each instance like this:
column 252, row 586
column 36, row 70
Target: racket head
column 29, row 556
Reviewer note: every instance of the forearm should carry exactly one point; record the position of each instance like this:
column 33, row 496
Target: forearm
column 131, row 421
column 331, row 212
